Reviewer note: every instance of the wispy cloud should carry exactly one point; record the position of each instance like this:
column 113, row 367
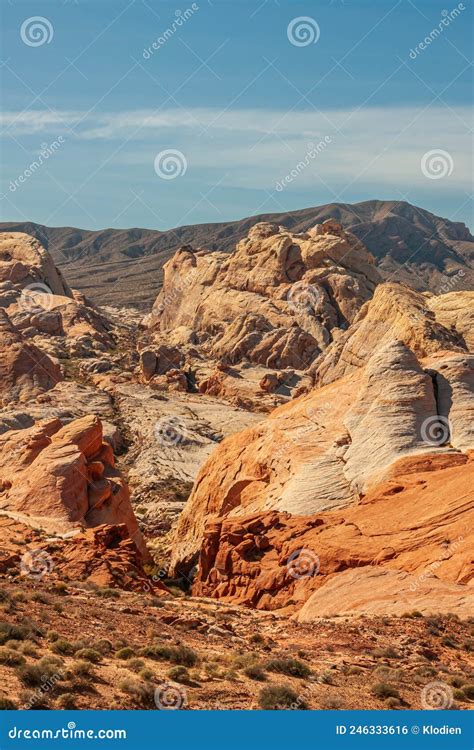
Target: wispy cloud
column 258, row 147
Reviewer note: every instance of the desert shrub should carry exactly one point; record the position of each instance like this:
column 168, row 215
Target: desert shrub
column 67, row 701
column 279, row 697
column 468, row 691
column 28, row 648
column 449, row 642
column 37, row 674
column 179, row 674
column 176, row 654
column 82, row 668
column 146, row 674
column 326, row 678
column 104, row 646
column 6, row 704
column 135, row 664
column 331, row 703
column 291, row 667
column 125, row 653
column 258, row 639
column 64, row 647
column 89, row 654
column 154, row 601
column 108, row 593
column 383, row 690
column 184, row 655
column 10, row 658
column 255, row 673
column 60, row 588
column 387, row 653
column 141, row 691
column 242, row 661
column 52, row 635
column 12, row 632
column 459, row 695
column 39, row 596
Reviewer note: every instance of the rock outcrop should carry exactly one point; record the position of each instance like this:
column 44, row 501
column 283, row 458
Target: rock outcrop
column 40, row 305
column 276, row 303
column 413, row 534
column 63, row 477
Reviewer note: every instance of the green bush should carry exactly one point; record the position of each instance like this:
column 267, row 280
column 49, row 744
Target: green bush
column 279, row 697
column 468, row 691
column 179, row 674
column 12, row 632
column 383, row 690
column 89, row 654
column 125, row 653
column 6, row 704
column 61, row 646
column 291, row 667
column 67, row 701
column 10, row 658
column 255, row 673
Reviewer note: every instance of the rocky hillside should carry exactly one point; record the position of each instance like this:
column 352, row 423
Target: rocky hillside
column 192, row 499
column 123, row 266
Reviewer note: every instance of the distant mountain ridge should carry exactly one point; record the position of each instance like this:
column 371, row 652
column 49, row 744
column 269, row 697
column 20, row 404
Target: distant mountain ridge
column 124, row 266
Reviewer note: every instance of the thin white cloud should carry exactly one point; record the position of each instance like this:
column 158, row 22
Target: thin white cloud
column 259, row 147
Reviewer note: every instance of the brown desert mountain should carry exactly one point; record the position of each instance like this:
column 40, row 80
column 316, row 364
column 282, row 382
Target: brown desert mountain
column 265, row 477
column 124, row 266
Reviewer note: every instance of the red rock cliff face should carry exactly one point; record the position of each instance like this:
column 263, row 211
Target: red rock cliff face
column 407, row 545
column 63, row 477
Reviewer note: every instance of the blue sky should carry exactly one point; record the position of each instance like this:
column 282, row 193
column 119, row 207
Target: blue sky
column 241, row 106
